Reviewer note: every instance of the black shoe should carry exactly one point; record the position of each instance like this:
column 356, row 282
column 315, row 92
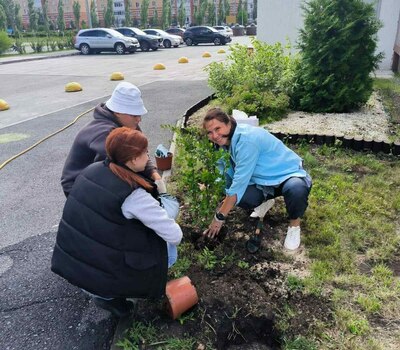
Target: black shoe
column 253, row 244
column 119, row 307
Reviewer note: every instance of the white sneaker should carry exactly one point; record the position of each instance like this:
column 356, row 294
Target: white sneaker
column 261, row 210
column 292, row 240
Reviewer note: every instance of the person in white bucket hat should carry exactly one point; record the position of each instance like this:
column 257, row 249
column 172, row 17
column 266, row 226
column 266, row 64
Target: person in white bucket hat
column 124, row 108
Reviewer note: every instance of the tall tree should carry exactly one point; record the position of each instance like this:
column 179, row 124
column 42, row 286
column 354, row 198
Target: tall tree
column 109, row 14
column 165, row 16
column 223, row 11
column 255, row 10
column 33, row 16
column 76, row 8
column 60, row 17
column 45, row 15
column 3, row 18
column 17, row 17
column 211, row 19
column 93, row 15
column 154, row 20
column 242, row 13
column 144, row 10
column 128, row 17
column 181, row 14
column 338, row 44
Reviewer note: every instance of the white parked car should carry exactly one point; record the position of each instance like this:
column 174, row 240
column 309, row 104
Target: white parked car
column 96, row 40
column 225, row 30
column 168, row 39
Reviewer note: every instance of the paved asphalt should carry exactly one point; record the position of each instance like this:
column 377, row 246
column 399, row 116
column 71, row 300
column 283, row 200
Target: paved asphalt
column 39, row 310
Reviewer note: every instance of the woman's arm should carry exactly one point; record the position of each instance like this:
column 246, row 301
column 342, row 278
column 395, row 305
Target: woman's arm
column 142, row 206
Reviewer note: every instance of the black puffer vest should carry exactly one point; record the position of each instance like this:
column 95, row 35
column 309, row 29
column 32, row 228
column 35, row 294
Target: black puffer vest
column 101, row 251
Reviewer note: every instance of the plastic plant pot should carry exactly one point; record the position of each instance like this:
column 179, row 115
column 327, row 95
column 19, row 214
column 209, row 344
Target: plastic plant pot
column 329, row 140
column 386, row 147
column 358, row 143
column 377, row 146
column 319, row 139
column 181, row 296
column 347, row 141
column 164, row 163
column 367, row 144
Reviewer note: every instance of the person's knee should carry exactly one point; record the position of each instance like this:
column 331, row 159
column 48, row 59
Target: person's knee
column 295, row 194
column 252, row 198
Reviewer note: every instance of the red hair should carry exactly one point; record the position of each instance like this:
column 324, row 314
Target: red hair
column 122, row 145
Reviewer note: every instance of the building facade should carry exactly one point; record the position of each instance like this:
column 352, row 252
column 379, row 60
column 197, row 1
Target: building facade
column 120, row 8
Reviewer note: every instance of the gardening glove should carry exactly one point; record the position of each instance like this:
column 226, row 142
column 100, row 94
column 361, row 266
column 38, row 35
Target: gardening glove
column 161, row 188
column 214, row 228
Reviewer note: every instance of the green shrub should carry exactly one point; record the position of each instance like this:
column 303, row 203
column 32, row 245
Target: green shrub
column 258, row 83
column 5, row 42
column 338, row 46
column 198, row 178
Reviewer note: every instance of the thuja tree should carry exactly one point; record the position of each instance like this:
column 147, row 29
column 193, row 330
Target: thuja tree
column 199, row 181
column 338, row 44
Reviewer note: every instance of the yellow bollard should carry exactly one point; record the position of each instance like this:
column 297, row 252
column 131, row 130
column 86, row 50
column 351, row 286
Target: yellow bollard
column 73, row 87
column 117, row 76
column 183, row 60
column 159, row 66
column 206, row 54
column 221, row 51
column 4, row 105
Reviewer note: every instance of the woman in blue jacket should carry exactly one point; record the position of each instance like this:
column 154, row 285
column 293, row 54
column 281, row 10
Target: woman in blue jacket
column 261, row 168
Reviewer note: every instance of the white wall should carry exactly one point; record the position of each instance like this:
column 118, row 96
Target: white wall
column 278, row 20
column 281, row 19
column 388, row 12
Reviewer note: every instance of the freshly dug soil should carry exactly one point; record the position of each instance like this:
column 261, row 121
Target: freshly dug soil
column 239, row 307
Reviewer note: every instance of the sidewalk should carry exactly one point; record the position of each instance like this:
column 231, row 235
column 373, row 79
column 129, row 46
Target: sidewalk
column 38, row 56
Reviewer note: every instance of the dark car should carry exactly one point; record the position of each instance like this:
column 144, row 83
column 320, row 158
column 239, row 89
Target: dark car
column 175, row 31
column 203, row 34
column 146, row 41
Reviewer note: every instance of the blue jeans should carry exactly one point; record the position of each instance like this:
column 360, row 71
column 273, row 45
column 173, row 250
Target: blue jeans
column 294, row 190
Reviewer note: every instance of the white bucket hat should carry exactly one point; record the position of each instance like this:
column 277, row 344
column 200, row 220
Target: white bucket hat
column 126, row 98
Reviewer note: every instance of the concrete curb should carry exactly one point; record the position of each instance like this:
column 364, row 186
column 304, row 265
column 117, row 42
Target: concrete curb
column 37, row 58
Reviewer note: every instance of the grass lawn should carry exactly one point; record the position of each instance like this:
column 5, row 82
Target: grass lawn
column 389, row 90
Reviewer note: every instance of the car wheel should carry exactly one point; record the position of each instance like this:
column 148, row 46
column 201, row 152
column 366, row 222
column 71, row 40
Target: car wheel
column 120, row 48
column 144, row 46
column 167, row 43
column 189, row 42
column 217, row 41
column 85, row 49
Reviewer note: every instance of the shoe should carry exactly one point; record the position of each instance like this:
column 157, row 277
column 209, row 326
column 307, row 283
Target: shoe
column 292, row 240
column 119, row 307
column 261, row 210
column 253, row 244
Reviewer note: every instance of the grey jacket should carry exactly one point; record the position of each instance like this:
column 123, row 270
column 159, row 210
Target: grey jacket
column 89, row 146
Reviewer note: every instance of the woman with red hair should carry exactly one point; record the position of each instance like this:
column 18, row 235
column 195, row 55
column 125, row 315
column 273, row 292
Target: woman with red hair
column 114, row 240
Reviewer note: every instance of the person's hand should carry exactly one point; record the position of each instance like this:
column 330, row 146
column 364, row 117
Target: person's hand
column 214, row 228
column 161, row 186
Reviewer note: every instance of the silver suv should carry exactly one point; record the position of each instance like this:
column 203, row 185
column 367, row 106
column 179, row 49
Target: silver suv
column 104, row 39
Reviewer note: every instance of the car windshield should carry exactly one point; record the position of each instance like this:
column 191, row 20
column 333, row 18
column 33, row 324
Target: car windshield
column 139, row 31
column 116, row 34
column 162, row 32
column 219, row 28
column 213, row 29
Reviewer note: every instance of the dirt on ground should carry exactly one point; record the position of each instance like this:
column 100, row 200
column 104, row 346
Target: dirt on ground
column 239, row 299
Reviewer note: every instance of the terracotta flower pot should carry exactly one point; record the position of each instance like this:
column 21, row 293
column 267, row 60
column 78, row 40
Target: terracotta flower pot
column 181, row 296
column 164, row 163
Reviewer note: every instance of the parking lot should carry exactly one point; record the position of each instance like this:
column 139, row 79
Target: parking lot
column 36, row 88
